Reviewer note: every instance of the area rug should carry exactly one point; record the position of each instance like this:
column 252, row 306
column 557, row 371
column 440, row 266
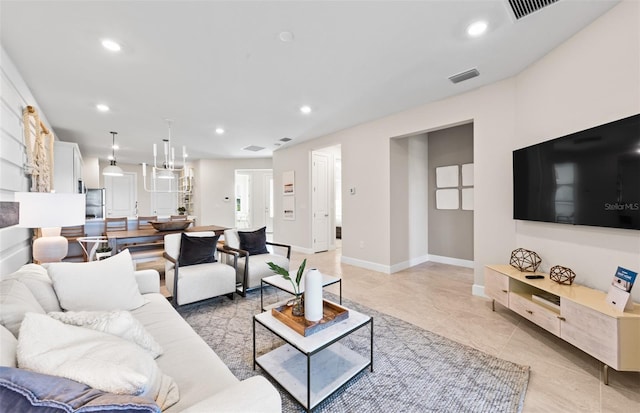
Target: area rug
column 415, row 370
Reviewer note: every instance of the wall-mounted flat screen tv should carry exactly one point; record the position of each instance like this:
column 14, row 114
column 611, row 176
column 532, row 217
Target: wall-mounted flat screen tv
column 590, row 177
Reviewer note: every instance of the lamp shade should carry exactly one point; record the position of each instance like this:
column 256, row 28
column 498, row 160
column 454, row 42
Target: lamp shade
column 48, row 209
column 112, row 170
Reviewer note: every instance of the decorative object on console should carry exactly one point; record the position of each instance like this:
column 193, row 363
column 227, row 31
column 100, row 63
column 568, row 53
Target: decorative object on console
column 49, row 212
column 525, row 260
column 113, row 169
column 166, row 171
column 562, row 275
column 298, row 306
column 313, row 295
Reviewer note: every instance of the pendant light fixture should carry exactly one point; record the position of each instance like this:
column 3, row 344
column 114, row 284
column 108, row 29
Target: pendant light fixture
column 113, row 169
column 167, row 170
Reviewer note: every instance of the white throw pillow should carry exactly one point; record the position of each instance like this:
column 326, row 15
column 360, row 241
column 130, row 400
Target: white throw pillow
column 118, row 323
column 100, row 360
column 36, row 278
column 104, row 285
column 15, row 301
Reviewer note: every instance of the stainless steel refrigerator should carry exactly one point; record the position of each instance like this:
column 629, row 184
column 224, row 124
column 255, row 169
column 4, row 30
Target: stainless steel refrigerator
column 95, row 203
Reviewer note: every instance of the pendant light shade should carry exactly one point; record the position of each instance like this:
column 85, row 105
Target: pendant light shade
column 113, row 169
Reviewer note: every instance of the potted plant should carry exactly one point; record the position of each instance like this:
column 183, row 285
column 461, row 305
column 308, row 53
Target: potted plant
column 103, row 252
column 298, row 305
column 182, row 210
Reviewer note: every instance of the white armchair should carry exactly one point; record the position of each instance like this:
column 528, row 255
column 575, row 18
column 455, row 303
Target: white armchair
column 251, row 268
column 198, row 281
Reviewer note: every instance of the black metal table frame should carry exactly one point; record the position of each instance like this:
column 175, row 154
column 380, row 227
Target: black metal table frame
column 262, row 283
column 309, row 408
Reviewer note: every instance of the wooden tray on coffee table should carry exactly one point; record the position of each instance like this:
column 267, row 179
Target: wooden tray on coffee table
column 331, row 313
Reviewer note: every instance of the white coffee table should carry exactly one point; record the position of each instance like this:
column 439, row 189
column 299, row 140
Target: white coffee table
column 312, row 368
column 285, row 285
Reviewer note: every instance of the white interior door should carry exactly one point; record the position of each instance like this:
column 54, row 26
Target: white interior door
column 165, row 203
column 121, row 195
column 320, row 201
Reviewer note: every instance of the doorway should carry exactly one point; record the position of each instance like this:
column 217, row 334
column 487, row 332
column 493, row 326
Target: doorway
column 254, row 199
column 121, row 195
column 326, row 197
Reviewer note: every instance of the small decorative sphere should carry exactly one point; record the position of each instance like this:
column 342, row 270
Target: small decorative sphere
column 525, row 260
column 562, row 275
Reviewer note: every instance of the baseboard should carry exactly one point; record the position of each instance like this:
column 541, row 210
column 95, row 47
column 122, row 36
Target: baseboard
column 408, row 264
column 451, row 261
column 366, row 264
column 478, row 290
column 302, row 250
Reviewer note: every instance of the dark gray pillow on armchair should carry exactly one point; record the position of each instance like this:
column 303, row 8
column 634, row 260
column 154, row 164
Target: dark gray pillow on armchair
column 27, row 391
column 254, row 242
column 197, row 250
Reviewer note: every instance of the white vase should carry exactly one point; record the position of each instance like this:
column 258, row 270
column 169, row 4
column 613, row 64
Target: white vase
column 313, row 295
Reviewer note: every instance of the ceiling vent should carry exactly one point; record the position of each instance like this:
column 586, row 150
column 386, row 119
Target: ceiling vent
column 522, row 8
column 253, row 148
column 467, row 74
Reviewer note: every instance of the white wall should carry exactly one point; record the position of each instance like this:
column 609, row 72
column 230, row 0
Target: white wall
column 215, row 180
column 409, row 196
column 591, row 79
column 15, row 243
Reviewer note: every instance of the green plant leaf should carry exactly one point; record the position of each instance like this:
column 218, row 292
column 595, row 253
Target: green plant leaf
column 301, row 271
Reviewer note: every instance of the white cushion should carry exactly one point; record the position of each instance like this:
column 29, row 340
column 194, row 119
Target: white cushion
column 231, row 238
column 8, row 344
column 36, row 278
column 103, row 285
column 100, row 360
column 15, row 301
column 259, row 269
column 118, row 323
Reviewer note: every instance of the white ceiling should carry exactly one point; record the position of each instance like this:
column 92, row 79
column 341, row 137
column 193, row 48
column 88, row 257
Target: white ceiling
column 208, row 64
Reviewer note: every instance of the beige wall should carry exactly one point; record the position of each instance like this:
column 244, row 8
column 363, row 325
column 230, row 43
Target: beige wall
column 450, row 230
column 215, row 181
column 591, row 79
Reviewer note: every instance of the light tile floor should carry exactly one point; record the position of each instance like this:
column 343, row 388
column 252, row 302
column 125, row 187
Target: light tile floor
column 438, row 297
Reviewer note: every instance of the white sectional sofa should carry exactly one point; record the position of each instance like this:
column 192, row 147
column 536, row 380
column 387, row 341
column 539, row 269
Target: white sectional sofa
column 203, row 381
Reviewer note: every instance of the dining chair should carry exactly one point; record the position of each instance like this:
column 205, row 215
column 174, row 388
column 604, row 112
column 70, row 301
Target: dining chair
column 72, row 234
column 179, row 217
column 143, row 222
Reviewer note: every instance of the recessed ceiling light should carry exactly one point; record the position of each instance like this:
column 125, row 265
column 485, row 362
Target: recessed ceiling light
column 102, row 107
column 219, row 131
column 286, row 37
column 477, row 28
column 305, row 109
column 111, row 45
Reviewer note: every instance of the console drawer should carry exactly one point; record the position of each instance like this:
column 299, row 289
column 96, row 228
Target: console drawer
column 496, row 286
column 535, row 313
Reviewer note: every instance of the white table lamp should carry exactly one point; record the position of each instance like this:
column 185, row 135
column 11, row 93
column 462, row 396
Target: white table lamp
column 49, row 212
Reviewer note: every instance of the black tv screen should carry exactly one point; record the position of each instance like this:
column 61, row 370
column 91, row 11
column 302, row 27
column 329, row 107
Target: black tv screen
column 590, row 177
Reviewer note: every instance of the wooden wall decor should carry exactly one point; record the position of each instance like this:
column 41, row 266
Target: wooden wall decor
column 9, row 214
column 525, row 260
column 39, row 150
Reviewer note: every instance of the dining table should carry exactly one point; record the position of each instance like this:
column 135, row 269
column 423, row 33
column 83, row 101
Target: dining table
column 151, row 234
